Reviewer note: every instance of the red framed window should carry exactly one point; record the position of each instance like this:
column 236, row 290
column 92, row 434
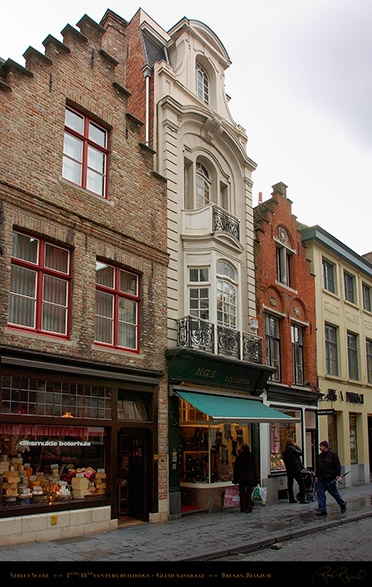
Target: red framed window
column 117, row 307
column 85, row 152
column 40, row 278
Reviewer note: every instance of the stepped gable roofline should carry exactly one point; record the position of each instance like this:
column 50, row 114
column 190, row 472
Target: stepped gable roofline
column 31, row 52
column 331, row 242
column 260, row 212
column 114, row 16
column 50, row 40
column 205, row 34
column 11, row 64
column 86, row 20
column 77, row 34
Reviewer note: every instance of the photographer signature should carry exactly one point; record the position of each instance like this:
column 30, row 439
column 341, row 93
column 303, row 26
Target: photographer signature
column 327, row 574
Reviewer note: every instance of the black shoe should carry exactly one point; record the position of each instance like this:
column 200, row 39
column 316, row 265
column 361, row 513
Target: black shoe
column 304, row 502
column 343, row 508
column 292, row 501
column 321, row 513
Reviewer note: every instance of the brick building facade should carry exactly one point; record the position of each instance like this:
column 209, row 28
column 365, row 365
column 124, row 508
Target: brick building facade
column 83, row 292
column 285, row 295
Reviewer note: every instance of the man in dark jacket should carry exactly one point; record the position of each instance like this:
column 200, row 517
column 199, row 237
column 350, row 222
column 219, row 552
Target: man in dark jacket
column 328, row 472
column 246, row 476
column 291, row 457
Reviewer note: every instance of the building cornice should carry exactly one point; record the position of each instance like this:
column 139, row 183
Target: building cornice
column 318, row 233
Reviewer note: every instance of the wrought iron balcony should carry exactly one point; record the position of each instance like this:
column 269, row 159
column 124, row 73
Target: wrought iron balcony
column 221, row 220
column 200, row 334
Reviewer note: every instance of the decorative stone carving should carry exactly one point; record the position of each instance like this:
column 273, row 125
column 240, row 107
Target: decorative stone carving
column 273, row 301
column 283, row 235
column 331, row 308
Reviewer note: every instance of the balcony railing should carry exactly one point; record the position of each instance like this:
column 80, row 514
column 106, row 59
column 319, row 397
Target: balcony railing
column 225, row 222
column 200, row 334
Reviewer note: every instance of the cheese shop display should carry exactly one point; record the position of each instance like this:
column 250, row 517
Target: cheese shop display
column 48, row 464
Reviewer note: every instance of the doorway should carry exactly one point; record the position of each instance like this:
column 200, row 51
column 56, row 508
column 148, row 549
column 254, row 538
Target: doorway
column 134, row 472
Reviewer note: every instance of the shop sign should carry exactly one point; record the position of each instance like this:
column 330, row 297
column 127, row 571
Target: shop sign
column 355, row 398
column 190, row 367
column 55, row 443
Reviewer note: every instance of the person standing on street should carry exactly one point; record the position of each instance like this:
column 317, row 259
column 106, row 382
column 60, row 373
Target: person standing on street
column 246, row 476
column 293, row 465
column 328, row 472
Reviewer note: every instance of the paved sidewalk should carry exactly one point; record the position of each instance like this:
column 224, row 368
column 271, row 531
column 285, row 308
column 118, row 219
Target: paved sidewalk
column 199, row 537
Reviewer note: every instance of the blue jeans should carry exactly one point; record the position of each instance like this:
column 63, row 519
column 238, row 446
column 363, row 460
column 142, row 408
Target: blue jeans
column 331, row 487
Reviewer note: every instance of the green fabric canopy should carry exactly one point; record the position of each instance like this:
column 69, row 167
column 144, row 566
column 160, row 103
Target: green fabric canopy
column 233, row 409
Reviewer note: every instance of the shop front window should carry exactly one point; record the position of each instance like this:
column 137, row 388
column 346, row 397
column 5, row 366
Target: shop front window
column 280, row 432
column 51, row 464
column 208, row 451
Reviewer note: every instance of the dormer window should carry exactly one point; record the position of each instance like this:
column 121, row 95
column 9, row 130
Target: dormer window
column 202, row 83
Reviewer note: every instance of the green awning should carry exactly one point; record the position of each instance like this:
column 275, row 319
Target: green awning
column 222, row 408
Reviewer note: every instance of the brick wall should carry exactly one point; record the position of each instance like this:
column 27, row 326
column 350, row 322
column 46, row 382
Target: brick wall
column 128, row 228
column 296, row 301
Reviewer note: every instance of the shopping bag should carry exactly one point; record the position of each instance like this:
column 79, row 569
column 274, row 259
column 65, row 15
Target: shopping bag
column 232, row 497
column 259, row 495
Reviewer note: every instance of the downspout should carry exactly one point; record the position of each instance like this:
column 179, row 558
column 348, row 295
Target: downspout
column 147, row 75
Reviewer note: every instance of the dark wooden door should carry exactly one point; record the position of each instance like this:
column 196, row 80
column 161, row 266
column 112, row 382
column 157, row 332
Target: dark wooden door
column 134, row 471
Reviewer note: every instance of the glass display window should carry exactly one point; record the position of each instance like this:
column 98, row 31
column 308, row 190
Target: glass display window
column 48, row 464
column 208, row 451
column 279, row 434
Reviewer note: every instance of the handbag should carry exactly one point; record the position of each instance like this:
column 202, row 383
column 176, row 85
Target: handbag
column 259, row 495
column 231, row 498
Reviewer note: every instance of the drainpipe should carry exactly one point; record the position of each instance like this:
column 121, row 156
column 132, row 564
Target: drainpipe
column 147, row 75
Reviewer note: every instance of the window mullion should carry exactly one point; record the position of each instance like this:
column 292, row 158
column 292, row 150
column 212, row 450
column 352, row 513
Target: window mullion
column 84, row 170
column 40, row 286
column 116, row 307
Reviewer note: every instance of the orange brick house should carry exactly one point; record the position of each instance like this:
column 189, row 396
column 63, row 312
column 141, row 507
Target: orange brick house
column 285, row 295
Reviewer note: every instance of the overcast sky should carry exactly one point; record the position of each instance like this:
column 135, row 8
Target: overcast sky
column 300, row 84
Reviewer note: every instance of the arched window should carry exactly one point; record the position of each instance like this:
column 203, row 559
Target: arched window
column 202, row 83
column 203, row 186
column 226, row 295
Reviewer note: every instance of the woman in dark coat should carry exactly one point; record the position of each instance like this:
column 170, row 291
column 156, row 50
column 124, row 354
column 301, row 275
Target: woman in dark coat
column 246, row 476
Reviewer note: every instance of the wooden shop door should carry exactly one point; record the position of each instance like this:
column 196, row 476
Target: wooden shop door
column 134, row 473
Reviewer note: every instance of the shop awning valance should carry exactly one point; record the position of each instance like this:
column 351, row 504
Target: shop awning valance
column 233, row 409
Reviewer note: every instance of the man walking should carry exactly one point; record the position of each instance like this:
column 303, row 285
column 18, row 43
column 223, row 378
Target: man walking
column 328, row 472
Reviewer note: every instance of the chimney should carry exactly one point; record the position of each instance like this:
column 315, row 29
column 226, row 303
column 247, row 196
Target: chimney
column 260, row 197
